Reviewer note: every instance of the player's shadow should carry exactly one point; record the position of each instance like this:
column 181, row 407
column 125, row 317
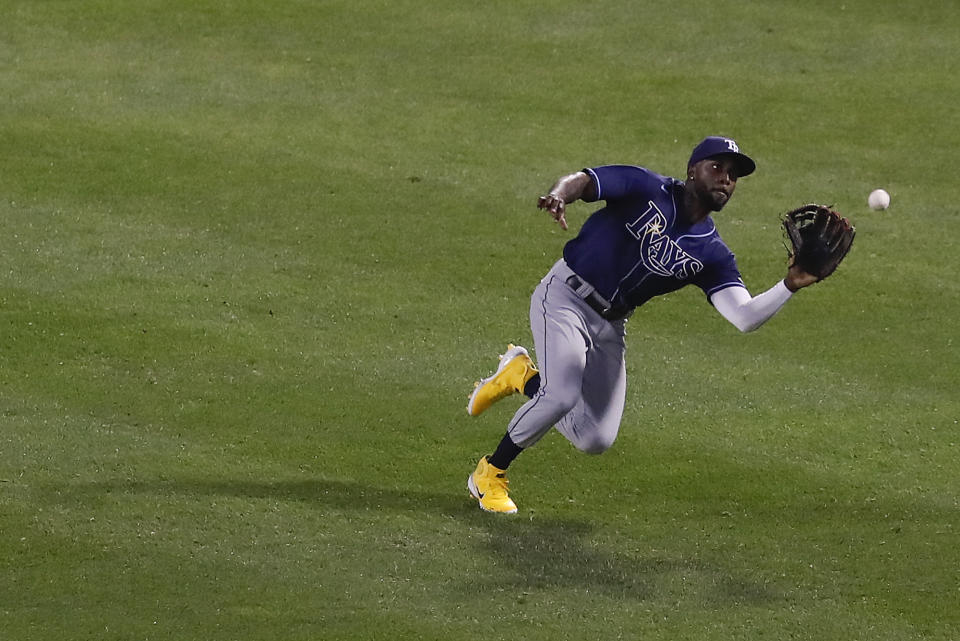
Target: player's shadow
column 520, row 553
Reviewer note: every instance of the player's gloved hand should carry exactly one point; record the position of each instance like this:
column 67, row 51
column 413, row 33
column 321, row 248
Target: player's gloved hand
column 819, row 240
column 554, row 204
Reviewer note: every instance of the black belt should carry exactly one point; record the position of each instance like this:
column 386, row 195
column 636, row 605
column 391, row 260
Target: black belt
column 599, row 304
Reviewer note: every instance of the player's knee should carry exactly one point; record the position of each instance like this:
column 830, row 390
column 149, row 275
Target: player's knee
column 596, row 443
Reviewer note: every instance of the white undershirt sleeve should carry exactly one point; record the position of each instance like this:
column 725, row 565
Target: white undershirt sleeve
column 747, row 312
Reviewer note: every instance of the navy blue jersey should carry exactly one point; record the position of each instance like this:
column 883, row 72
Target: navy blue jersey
column 636, row 247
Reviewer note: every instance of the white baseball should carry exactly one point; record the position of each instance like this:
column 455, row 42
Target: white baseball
column 878, row 199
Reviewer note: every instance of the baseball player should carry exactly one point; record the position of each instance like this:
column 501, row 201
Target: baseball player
column 654, row 236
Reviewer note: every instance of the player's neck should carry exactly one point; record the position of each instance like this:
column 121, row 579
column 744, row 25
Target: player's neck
column 692, row 210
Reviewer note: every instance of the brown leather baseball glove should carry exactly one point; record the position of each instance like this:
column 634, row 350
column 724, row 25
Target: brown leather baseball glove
column 820, row 238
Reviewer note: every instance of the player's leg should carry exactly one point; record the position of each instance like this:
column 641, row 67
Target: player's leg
column 595, row 378
column 561, row 340
column 592, row 426
column 582, row 391
column 556, row 316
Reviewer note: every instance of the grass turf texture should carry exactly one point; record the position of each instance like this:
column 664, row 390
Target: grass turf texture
column 254, row 255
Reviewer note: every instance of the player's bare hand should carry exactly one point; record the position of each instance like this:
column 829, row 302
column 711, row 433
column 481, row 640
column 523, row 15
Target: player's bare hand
column 797, row 278
column 556, row 206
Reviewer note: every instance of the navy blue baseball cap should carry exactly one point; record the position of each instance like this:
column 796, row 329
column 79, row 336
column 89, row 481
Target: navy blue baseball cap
column 720, row 146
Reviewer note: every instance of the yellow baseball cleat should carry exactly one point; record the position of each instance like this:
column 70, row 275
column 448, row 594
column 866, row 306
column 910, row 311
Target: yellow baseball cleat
column 488, row 484
column 515, row 369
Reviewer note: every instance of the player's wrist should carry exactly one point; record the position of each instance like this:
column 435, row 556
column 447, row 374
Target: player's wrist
column 797, row 279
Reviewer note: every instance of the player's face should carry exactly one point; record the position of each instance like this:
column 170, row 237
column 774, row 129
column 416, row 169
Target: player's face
column 714, row 180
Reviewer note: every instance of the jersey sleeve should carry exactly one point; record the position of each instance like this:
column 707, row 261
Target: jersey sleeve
column 613, row 182
column 720, row 272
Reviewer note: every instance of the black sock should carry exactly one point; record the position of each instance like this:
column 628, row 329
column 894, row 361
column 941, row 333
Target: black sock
column 506, row 452
column 532, row 386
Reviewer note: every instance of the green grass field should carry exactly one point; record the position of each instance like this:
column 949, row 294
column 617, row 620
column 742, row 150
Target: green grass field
column 254, row 255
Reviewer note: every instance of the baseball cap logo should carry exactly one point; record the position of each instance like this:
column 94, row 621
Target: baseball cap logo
column 719, row 145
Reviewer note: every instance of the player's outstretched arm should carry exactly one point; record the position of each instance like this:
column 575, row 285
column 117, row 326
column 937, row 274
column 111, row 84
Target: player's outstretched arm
column 566, row 190
column 746, row 312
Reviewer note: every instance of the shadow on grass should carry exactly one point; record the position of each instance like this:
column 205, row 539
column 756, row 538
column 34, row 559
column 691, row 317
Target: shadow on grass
column 522, row 553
